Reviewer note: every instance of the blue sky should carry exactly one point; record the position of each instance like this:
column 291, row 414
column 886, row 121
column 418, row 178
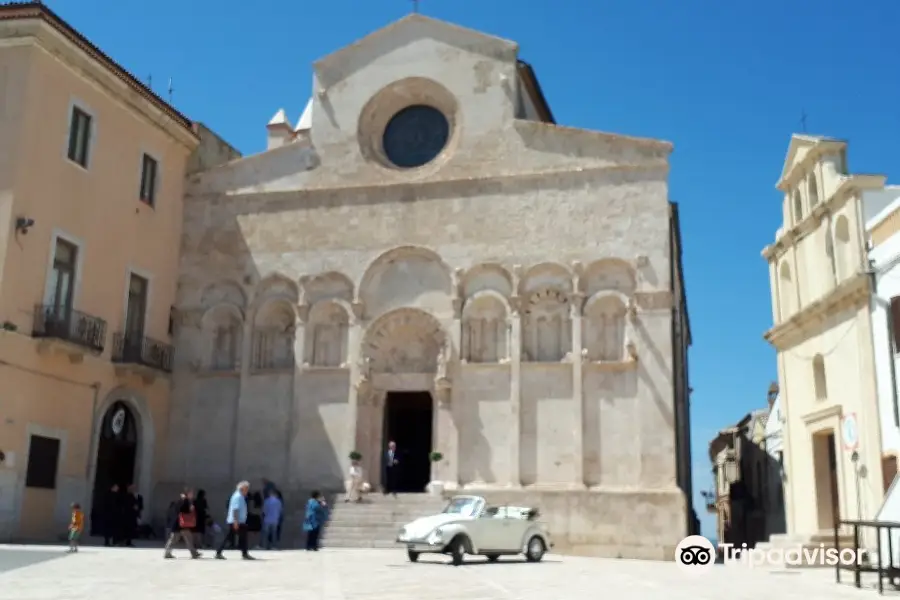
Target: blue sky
column 725, row 81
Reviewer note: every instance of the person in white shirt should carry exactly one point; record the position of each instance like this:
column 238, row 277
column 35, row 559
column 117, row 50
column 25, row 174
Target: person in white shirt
column 354, row 482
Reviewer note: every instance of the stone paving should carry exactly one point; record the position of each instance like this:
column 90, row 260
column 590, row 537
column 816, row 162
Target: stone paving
column 142, row 574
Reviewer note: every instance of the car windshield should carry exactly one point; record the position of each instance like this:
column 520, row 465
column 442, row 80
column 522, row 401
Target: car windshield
column 464, row 506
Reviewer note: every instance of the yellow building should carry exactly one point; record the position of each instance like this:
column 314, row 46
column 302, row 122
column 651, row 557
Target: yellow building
column 92, row 165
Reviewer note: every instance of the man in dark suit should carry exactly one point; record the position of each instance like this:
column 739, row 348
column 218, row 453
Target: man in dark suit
column 391, row 469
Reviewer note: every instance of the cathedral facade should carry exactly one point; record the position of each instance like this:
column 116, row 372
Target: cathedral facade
column 427, row 257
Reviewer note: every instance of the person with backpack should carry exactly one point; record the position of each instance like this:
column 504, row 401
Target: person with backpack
column 183, row 526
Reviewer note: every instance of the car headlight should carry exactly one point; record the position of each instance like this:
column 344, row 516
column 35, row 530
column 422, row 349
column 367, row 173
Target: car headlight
column 435, row 536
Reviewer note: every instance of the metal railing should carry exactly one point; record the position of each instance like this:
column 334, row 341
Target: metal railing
column 144, row 351
column 75, row 327
column 884, row 567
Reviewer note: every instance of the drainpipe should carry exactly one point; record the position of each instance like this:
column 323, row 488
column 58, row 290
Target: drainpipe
column 92, row 440
column 889, row 318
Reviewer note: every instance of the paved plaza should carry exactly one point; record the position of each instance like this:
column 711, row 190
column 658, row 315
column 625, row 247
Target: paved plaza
column 32, row 573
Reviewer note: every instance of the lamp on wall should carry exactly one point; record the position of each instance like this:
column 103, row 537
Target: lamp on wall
column 23, row 224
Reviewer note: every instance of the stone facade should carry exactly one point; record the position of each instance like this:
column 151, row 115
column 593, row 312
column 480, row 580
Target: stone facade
column 524, row 278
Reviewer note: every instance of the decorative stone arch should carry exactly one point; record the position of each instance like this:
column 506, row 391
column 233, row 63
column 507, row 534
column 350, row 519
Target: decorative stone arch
column 225, row 291
column 605, row 335
column 386, row 284
column 331, row 284
column 274, row 311
column 327, row 333
column 276, row 285
column 608, row 274
column 406, row 340
column 223, row 333
column 545, row 275
column 484, row 277
column 485, row 328
column 146, row 440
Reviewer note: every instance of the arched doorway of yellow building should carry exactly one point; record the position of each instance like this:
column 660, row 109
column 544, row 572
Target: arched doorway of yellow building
column 116, row 460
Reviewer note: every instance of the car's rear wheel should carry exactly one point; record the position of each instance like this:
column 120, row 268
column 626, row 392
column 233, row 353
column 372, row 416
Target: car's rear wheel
column 413, row 556
column 493, row 557
column 458, row 550
column 534, row 552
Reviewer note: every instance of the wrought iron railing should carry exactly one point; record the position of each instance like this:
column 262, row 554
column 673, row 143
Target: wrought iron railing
column 144, row 351
column 75, row 327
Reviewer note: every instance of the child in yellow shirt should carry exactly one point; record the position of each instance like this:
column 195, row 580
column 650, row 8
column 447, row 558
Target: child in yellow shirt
column 76, row 526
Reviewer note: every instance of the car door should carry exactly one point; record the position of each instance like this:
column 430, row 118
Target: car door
column 486, row 531
column 511, row 534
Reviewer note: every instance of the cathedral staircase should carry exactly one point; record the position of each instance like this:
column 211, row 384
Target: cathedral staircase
column 375, row 522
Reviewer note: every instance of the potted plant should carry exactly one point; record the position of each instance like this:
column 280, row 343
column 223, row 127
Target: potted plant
column 435, row 487
column 354, row 455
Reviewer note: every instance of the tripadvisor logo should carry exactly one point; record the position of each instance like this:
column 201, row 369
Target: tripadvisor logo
column 696, row 555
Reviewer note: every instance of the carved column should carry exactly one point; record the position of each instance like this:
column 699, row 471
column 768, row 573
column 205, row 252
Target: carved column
column 245, row 364
column 577, row 305
column 514, row 336
column 358, row 370
column 296, row 396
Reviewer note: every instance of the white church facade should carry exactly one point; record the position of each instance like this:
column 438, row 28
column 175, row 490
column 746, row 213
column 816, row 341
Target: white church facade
column 427, row 257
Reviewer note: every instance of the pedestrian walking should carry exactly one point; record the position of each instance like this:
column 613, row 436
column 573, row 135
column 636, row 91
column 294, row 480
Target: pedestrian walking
column 272, row 510
column 236, row 518
column 76, row 526
column 183, row 526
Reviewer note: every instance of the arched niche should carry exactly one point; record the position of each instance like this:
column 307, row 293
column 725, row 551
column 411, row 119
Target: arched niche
column 546, row 325
column 608, row 274
column 485, row 329
column 408, row 276
column 604, row 326
column 787, row 292
column 327, row 333
column 326, row 286
column 812, row 191
column 276, row 285
column 843, row 249
column 798, row 207
column 224, row 292
column 405, row 340
column 273, row 335
column 223, row 332
column 830, row 258
column 487, row 276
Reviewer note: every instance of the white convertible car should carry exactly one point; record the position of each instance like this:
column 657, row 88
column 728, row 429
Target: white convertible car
column 469, row 526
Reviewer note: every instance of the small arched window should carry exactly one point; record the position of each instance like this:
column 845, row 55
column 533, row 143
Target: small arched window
column 820, row 382
column 829, row 253
column 813, row 192
column 786, row 291
column 843, row 251
column 798, row 207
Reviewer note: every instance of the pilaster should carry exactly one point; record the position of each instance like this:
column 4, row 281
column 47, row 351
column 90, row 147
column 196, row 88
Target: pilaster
column 356, row 366
column 514, row 339
column 245, row 361
column 299, row 356
column 577, row 304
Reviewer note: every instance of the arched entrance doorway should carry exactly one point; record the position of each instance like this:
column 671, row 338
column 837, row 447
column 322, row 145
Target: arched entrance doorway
column 116, row 456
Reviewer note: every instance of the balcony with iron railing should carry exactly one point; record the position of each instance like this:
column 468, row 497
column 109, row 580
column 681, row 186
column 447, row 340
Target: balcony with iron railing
column 68, row 331
column 143, row 355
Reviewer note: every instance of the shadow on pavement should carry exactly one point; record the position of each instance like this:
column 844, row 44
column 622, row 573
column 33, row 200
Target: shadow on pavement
column 12, row 558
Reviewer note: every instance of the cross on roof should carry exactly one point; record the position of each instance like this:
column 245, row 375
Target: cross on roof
column 803, row 121
column 415, row 4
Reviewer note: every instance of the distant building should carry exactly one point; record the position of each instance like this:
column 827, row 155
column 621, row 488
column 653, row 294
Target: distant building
column 774, row 447
column 822, row 332
column 884, row 258
column 740, row 467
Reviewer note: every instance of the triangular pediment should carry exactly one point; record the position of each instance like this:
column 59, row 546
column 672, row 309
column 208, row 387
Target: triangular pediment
column 344, row 62
column 801, row 145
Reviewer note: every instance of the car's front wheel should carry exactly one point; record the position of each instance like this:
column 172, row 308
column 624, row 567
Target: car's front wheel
column 534, row 552
column 458, row 550
column 413, row 556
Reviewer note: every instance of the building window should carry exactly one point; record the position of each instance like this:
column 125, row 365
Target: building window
column 798, row 208
column 80, row 137
column 149, row 168
column 43, row 462
column 62, row 278
column 136, row 309
column 813, row 191
column 819, row 380
column 895, row 323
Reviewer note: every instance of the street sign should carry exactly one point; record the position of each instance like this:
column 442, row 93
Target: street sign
column 850, row 432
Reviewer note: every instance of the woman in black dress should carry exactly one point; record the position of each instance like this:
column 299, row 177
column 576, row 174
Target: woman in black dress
column 201, row 506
